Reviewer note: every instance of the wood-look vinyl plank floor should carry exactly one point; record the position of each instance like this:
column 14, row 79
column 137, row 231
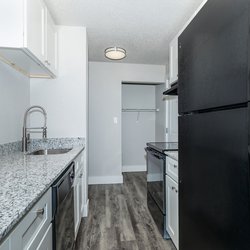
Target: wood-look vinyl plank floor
column 119, row 218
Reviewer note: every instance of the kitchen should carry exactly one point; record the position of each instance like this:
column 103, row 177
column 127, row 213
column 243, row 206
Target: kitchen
column 124, row 126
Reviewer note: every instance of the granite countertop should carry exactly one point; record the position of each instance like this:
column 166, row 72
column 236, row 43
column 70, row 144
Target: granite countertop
column 172, row 154
column 24, row 179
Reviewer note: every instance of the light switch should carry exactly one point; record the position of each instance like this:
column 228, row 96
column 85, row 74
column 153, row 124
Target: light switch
column 115, row 120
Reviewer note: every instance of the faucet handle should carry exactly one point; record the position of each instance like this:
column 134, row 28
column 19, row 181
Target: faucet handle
column 45, row 132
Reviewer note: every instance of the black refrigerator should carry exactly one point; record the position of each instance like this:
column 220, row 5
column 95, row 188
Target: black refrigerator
column 214, row 113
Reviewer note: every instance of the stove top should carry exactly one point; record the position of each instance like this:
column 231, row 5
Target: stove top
column 163, row 146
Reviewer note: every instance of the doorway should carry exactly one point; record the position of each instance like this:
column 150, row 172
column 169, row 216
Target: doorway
column 143, row 120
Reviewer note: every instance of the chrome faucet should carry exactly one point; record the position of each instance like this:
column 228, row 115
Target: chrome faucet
column 27, row 131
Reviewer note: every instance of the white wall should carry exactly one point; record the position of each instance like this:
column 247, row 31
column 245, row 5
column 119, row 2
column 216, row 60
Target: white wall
column 105, row 164
column 137, row 128
column 64, row 98
column 160, row 117
column 14, row 100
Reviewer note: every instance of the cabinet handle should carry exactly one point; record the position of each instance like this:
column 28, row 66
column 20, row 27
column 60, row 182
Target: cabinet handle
column 174, row 189
column 175, row 166
column 40, row 211
column 80, row 176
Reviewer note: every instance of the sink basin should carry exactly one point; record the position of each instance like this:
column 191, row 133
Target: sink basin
column 51, row 151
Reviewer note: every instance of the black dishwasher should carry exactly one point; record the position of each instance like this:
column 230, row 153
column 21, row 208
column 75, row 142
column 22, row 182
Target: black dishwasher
column 63, row 211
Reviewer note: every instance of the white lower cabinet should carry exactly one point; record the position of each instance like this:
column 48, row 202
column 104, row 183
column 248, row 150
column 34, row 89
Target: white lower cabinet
column 80, row 190
column 5, row 245
column 77, row 203
column 34, row 231
column 47, row 240
column 172, row 210
column 172, row 168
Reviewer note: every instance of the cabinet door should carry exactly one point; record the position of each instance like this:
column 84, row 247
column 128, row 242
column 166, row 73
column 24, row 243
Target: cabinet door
column 51, row 43
column 46, row 242
column 173, row 60
column 34, row 225
column 77, row 192
column 34, row 28
column 172, row 210
column 81, row 193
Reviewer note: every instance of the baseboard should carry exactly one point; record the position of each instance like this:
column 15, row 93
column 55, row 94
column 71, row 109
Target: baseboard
column 154, row 177
column 85, row 210
column 118, row 179
column 134, row 168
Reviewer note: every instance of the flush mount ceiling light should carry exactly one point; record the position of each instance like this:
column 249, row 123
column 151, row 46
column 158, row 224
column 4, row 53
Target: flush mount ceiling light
column 115, row 53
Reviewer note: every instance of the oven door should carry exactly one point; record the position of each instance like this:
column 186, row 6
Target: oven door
column 155, row 177
column 63, row 212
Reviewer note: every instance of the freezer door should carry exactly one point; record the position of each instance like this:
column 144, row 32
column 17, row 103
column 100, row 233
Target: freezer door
column 214, row 211
column 213, row 57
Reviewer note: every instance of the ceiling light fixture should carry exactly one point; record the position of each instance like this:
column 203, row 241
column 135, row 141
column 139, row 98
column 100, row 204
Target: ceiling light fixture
column 115, row 53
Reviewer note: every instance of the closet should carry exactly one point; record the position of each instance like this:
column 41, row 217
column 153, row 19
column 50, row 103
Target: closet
column 143, row 120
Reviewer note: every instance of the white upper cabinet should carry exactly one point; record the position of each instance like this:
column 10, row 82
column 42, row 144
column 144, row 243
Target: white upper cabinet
column 51, row 43
column 28, row 37
column 34, row 40
column 173, row 49
column 173, row 60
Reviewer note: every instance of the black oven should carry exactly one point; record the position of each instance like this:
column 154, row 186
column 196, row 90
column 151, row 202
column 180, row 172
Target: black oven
column 156, row 196
column 63, row 211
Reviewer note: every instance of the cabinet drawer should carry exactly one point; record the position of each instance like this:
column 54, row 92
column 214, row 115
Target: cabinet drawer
column 33, row 227
column 5, row 245
column 46, row 242
column 172, row 168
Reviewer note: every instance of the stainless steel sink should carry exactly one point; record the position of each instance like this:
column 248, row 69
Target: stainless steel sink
column 51, row 151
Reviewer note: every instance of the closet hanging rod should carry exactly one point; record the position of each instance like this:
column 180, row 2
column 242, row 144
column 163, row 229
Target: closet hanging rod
column 140, row 110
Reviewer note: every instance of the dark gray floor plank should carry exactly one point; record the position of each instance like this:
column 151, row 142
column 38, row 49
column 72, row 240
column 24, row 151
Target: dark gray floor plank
column 119, row 218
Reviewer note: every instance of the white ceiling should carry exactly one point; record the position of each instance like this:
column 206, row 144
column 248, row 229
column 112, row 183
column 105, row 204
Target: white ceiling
column 142, row 27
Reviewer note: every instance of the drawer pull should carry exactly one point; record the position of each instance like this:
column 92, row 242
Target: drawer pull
column 175, row 166
column 40, row 211
column 173, row 188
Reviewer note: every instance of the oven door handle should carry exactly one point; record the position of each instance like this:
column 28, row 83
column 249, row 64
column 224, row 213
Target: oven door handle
column 155, row 154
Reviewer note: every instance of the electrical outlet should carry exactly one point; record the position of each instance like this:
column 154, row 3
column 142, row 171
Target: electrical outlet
column 115, row 120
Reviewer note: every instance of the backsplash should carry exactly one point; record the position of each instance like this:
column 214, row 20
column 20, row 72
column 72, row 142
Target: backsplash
column 36, row 144
column 55, row 143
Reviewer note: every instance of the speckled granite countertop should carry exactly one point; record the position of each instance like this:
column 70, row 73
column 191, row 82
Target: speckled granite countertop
column 24, row 179
column 172, row 154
